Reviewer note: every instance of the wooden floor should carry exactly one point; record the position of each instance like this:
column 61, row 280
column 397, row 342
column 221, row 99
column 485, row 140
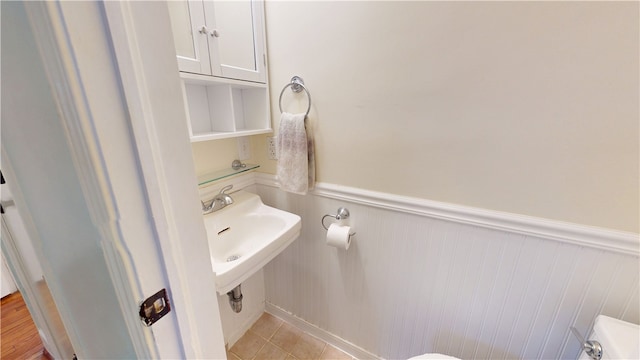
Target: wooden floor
column 19, row 337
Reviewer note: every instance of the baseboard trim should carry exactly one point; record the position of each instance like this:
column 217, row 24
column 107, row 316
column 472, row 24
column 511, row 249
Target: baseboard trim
column 329, row 338
column 599, row 238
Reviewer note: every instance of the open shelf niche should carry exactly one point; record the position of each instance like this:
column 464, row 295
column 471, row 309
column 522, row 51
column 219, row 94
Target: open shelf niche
column 220, row 108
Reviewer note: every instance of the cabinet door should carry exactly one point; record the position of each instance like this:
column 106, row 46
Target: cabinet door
column 237, row 48
column 190, row 33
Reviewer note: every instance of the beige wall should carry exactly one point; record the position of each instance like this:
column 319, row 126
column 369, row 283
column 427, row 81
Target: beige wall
column 215, row 155
column 529, row 108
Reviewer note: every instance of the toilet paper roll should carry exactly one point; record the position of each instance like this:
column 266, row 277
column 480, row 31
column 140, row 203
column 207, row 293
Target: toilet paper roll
column 338, row 236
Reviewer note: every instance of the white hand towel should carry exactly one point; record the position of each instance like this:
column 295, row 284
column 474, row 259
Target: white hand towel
column 295, row 150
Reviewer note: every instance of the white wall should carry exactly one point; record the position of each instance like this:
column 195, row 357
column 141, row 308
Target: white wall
column 19, row 232
column 522, row 107
column 7, row 285
column 414, row 281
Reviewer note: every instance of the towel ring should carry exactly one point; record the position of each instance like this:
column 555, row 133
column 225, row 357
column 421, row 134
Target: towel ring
column 297, row 85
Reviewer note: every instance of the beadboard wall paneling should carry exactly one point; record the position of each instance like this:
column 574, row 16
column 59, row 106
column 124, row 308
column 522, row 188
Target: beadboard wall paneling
column 414, row 283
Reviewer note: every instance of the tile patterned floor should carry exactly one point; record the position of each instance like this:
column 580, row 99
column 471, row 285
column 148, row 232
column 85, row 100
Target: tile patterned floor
column 272, row 338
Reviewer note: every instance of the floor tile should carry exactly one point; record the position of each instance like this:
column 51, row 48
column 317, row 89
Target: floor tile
column 266, row 326
column 286, row 337
column 308, row 347
column 248, row 345
column 271, row 352
column 270, row 338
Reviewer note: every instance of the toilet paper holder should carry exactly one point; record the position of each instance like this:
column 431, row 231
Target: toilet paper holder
column 342, row 214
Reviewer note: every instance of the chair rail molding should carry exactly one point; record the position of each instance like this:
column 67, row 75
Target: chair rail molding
column 610, row 240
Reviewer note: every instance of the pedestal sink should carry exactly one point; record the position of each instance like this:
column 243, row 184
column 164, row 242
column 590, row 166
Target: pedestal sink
column 245, row 236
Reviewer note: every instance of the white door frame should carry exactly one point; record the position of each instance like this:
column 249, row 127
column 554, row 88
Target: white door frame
column 161, row 133
column 141, row 56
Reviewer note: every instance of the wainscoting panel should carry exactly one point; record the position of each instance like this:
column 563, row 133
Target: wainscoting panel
column 413, row 283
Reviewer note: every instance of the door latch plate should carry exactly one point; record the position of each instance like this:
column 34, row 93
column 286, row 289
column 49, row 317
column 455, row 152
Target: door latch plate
column 154, row 307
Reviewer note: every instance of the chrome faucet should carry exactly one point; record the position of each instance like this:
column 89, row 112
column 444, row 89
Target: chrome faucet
column 218, row 202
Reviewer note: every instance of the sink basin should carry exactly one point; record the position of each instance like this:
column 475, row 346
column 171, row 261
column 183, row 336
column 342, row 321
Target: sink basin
column 245, row 236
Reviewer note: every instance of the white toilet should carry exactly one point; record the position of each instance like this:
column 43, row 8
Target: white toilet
column 433, row 356
column 618, row 339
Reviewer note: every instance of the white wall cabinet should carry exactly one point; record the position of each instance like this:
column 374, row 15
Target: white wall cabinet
column 220, row 38
column 221, row 55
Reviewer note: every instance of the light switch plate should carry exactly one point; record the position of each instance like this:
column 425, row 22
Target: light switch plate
column 244, row 148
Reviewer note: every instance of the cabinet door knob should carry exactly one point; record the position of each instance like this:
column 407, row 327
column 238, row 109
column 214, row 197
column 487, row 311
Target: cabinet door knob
column 215, row 33
column 203, row 30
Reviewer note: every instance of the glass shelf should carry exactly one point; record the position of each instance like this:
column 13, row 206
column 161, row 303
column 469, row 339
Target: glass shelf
column 224, row 173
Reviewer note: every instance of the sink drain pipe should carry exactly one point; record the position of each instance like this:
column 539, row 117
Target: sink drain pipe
column 235, row 299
